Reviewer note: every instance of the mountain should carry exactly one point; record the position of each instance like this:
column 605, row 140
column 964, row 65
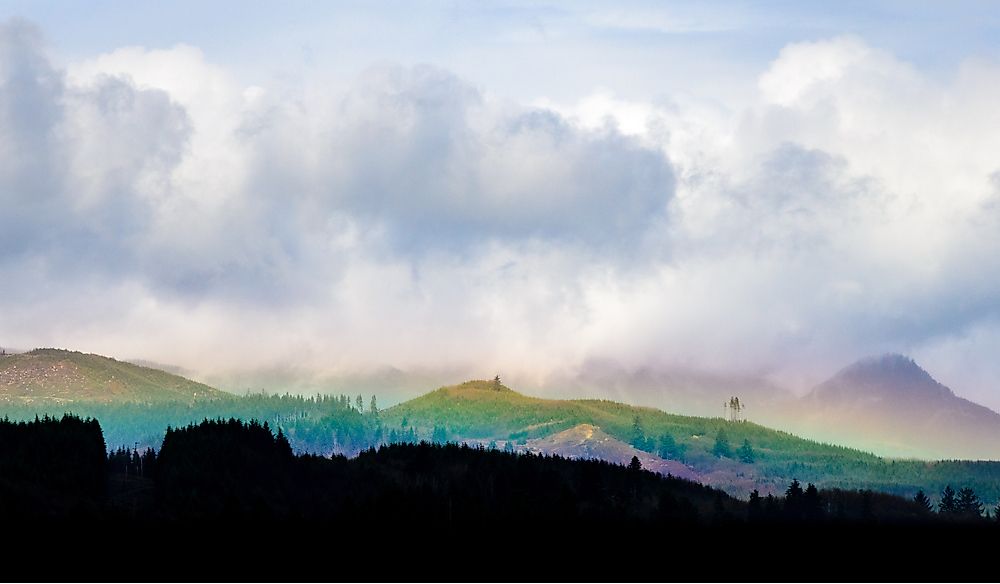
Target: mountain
column 56, row 376
column 587, row 441
column 891, row 405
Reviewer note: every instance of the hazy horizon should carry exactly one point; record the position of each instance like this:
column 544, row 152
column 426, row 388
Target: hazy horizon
column 525, row 189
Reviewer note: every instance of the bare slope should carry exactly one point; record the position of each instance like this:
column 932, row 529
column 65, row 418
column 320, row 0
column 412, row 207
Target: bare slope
column 587, row 441
column 58, row 376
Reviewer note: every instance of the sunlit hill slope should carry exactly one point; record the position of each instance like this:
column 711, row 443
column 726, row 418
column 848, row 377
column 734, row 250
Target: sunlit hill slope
column 59, row 376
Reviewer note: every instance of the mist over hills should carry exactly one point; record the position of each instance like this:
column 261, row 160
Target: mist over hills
column 682, row 390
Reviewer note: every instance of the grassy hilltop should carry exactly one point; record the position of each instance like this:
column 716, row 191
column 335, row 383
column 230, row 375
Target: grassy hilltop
column 59, row 376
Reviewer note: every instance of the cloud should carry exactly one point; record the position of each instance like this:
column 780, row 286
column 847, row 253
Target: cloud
column 360, row 220
column 82, row 166
column 155, row 206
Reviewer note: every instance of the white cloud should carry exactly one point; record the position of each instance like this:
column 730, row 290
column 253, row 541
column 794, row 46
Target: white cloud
column 154, row 206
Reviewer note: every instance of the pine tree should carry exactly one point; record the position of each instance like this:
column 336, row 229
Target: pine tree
column 635, row 464
column 722, row 447
column 948, row 504
column 669, row 448
column 968, row 504
column 638, row 435
column 923, row 502
column 746, row 453
column 755, row 506
column 793, row 499
column 812, row 505
column 373, row 406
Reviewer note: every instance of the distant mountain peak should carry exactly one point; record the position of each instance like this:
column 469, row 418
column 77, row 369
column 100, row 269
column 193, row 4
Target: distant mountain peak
column 886, row 374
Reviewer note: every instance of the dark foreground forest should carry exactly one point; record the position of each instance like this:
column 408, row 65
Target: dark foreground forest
column 226, row 482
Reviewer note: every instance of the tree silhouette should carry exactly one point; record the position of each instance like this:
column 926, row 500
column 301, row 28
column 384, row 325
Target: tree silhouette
column 794, row 500
column 755, row 506
column 812, row 506
column 968, row 505
column 948, row 504
column 635, row 464
column 923, row 502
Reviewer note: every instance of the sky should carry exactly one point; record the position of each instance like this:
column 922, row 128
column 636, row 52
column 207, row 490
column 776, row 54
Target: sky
column 773, row 188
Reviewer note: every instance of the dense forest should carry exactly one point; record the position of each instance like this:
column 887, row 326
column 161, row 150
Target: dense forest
column 231, row 470
column 436, row 510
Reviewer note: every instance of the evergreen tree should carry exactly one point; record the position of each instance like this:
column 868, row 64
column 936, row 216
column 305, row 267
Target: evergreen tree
column 923, row 502
column 639, row 439
column 968, row 504
column 755, row 506
column 948, row 504
column 746, row 453
column 812, row 506
column 359, row 403
column 373, row 406
column 635, row 464
column 722, row 447
column 669, row 448
column 793, row 499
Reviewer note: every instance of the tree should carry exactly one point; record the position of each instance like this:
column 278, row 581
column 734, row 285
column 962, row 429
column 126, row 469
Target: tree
column 635, row 464
column 669, row 448
column 373, row 406
column 722, row 447
column 923, row 502
column 948, row 504
column 968, row 504
column 812, row 505
column 746, row 453
column 793, row 499
column 359, row 403
column 755, row 506
column 639, row 439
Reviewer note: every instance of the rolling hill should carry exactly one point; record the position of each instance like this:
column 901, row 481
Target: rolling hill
column 485, row 411
column 56, row 376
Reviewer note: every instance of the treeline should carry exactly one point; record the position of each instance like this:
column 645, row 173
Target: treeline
column 234, row 471
column 51, row 466
column 320, row 424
